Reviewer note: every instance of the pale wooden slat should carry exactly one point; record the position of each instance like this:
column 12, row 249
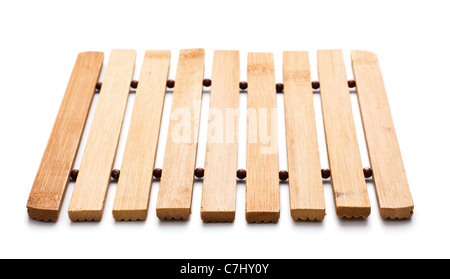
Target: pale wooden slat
column 219, row 183
column 134, row 185
column 263, row 192
column 51, row 181
column 305, row 179
column 391, row 184
column 177, row 181
column 90, row 190
column 347, row 178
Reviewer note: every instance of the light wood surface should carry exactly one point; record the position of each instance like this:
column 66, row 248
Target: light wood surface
column 219, row 183
column 305, row 178
column 391, row 184
column 347, row 177
column 51, row 181
column 90, row 190
column 136, row 175
column 263, row 190
column 177, row 181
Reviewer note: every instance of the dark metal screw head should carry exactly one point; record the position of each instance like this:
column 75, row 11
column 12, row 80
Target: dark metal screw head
column 368, row 172
column 170, row 83
column 279, row 87
column 157, row 173
column 207, row 82
column 199, row 172
column 315, row 85
column 115, row 174
column 243, row 85
column 284, row 175
column 74, row 175
column 134, row 84
column 241, row 174
column 351, row 83
column 326, row 173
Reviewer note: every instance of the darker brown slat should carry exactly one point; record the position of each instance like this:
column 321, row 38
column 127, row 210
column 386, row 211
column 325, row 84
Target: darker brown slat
column 47, row 194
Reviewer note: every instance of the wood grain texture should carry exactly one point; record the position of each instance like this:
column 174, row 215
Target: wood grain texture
column 219, row 183
column 49, row 188
column 263, row 192
column 391, row 184
column 347, row 177
column 177, row 180
column 305, row 178
column 136, row 175
column 90, row 190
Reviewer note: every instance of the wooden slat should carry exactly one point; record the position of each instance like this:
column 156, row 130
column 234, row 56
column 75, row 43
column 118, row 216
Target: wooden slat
column 305, row 179
column 177, row 181
column 51, row 181
column 347, row 178
column 391, row 184
column 219, row 183
column 134, row 185
column 90, row 190
column 263, row 192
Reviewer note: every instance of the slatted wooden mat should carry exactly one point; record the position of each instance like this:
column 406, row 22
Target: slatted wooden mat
column 262, row 175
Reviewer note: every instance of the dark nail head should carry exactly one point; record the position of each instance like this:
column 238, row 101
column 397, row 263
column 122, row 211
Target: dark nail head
column 207, row 82
column 315, row 85
column 115, row 174
column 243, row 85
column 157, row 173
column 368, row 172
column 74, row 175
column 241, row 174
column 199, row 172
column 279, row 87
column 284, row 175
column 170, row 83
column 326, row 173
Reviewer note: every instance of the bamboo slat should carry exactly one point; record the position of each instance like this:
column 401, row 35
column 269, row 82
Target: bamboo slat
column 136, row 175
column 391, row 184
column 263, row 192
column 175, row 190
column 219, row 183
column 347, row 177
column 51, row 181
column 305, row 179
column 90, row 190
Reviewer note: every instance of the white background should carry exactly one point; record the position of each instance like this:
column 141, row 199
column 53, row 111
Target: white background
column 41, row 39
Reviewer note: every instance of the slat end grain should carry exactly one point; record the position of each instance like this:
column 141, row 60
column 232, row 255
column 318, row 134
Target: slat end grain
column 130, row 215
column 218, row 216
column 397, row 213
column 173, row 213
column 44, row 206
column 308, row 214
column 40, row 214
column 262, row 217
column 85, row 215
column 351, row 212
